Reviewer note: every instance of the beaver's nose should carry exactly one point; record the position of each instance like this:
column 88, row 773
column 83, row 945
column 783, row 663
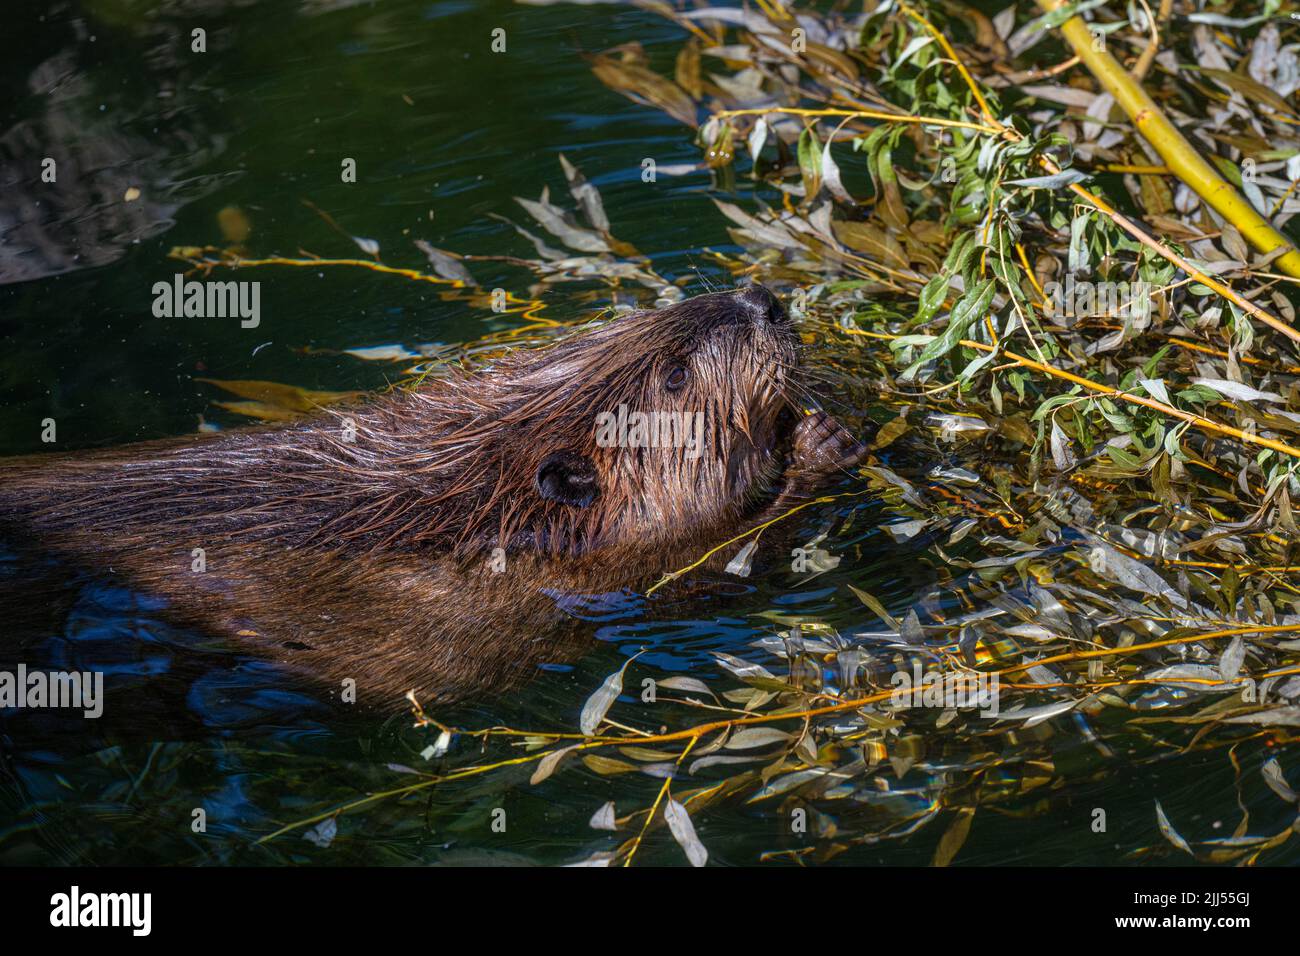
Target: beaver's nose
column 762, row 305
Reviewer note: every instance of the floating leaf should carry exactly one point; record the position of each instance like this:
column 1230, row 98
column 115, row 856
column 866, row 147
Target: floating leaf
column 1231, row 659
column 1243, row 393
column 1033, row 716
column 741, row 563
column 1062, row 453
column 742, row 668
column 555, row 221
column 683, row 831
column 598, row 704
column 687, row 684
column 1059, row 180
column 748, row 738
column 1272, row 772
column 603, row 819
column 1168, row 832
column 546, row 766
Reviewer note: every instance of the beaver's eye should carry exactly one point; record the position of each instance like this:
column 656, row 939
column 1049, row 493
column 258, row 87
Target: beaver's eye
column 677, row 376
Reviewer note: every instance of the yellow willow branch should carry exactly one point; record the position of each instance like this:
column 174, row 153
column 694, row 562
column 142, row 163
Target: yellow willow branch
column 1244, row 359
column 190, row 255
column 1144, row 681
column 1197, row 421
column 1142, row 236
column 1151, row 681
column 1029, row 272
column 863, row 114
column 410, row 788
column 663, row 791
column 1164, row 642
column 1179, row 154
column 1135, row 170
column 1148, row 56
column 1064, row 657
column 1217, row 353
column 1240, row 569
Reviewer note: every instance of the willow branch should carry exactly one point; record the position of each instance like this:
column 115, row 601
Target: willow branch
column 1199, row 422
column 1179, row 154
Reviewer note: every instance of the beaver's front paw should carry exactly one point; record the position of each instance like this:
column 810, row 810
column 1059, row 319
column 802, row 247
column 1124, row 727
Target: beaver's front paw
column 823, row 448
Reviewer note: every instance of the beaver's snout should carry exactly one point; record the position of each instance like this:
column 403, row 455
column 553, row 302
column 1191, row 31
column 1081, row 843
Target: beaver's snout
column 753, row 306
column 762, row 305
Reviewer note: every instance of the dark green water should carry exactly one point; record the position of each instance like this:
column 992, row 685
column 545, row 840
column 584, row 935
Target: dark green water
column 444, row 132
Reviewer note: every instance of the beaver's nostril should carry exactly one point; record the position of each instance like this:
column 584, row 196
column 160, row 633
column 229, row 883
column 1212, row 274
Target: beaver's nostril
column 762, row 304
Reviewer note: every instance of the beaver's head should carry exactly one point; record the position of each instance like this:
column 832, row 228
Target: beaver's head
column 646, row 427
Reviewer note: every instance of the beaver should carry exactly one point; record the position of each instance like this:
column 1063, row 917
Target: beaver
column 427, row 539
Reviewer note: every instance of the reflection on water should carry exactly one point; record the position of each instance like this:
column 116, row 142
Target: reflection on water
column 96, row 158
column 150, row 141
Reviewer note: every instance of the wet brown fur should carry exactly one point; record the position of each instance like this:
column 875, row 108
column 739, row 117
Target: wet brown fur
column 371, row 558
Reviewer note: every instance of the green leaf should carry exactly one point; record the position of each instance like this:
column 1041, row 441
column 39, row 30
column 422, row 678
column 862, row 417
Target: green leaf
column 810, row 162
column 972, row 305
column 931, row 298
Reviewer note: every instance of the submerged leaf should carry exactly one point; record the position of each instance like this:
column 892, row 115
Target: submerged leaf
column 1276, row 717
column 446, row 264
column 274, row 402
column 645, row 86
column 323, row 834
column 586, row 195
column 954, row 837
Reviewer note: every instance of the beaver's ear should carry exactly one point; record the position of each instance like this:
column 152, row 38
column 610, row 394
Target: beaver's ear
column 569, row 478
